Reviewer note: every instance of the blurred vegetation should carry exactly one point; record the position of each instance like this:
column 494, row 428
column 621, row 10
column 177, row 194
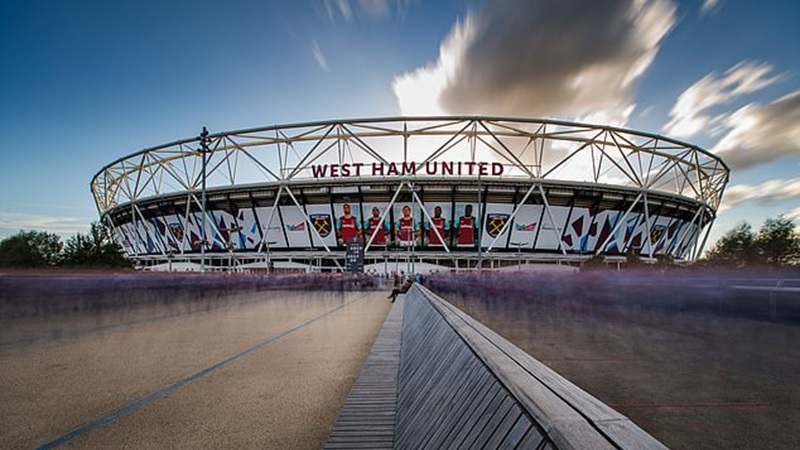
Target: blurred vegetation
column 776, row 244
column 30, row 250
column 40, row 249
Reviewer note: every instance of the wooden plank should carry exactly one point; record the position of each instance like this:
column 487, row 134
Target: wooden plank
column 367, row 419
column 446, row 395
column 517, row 432
column 459, row 385
column 485, row 434
column 570, row 415
column 472, row 419
column 452, row 408
column 464, row 410
column 504, row 427
column 532, row 440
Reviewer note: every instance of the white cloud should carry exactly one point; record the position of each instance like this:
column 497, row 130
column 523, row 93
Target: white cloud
column 709, row 7
column 62, row 225
column 567, row 58
column 372, row 10
column 335, row 8
column 318, row 56
column 375, row 9
column 767, row 192
column 615, row 116
column 689, row 115
column 758, row 134
column 794, row 215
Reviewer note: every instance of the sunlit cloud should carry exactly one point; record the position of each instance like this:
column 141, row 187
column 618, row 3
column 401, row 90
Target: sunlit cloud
column 757, row 134
column 794, row 215
column 337, row 8
column 768, row 192
column 615, row 116
column 370, row 10
column 319, row 57
column 63, row 225
column 709, row 7
column 554, row 58
column 375, row 9
column 690, row 114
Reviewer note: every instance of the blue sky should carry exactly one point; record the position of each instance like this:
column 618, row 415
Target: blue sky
column 86, row 82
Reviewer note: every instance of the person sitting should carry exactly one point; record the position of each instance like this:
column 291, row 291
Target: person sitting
column 401, row 290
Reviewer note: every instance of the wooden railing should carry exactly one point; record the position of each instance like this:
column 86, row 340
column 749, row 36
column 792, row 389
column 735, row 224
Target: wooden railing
column 460, row 385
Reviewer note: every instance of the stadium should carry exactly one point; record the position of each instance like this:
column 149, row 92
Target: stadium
column 457, row 193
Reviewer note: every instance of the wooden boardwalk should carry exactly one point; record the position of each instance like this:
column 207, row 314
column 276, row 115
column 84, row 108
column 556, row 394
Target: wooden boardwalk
column 448, row 398
column 436, row 378
column 367, row 419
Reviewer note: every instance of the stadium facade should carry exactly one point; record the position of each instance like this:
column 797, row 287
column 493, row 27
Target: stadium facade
column 461, row 192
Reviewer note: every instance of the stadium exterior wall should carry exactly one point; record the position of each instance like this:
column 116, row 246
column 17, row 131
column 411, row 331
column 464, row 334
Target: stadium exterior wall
column 537, row 190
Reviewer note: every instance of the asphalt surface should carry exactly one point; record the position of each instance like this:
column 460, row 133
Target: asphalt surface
column 263, row 370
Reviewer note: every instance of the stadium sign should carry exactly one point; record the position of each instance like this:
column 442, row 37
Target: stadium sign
column 432, row 168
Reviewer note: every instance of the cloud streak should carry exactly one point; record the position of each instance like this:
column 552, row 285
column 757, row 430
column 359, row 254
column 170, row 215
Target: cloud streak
column 319, row 57
column 62, row 225
column 371, row 10
column 767, row 192
column 794, row 215
column 757, row 134
column 336, row 8
column 565, row 58
column 689, row 116
column 709, row 7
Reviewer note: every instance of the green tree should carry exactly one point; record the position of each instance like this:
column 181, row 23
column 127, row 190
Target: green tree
column 632, row 258
column 665, row 261
column 94, row 249
column 595, row 262
column 735, row 248
column 30, row 249
column 777, row 242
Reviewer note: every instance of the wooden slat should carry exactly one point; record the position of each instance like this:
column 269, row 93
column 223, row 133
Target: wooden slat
column 450, row 382
column 501, row 433
column 472, row 418
column 453, row 423
column 367, row 419
column 532, row 440
column 447, row 396
column 566, row 413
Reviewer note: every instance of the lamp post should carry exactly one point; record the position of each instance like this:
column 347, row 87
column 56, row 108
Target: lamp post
column 519, row 246
column 229, row 245
column 408, row 259
column 269, row 261
column 203, row 152
column 230, row 256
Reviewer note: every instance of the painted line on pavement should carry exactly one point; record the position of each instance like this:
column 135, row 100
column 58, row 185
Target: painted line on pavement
column 141, row 402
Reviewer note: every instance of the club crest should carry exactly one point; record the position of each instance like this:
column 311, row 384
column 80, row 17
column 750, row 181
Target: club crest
column 656, row 233
column 177, row 231
column 495, row 223
column 322, row 222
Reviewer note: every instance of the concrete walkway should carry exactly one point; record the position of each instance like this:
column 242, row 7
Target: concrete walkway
column 267, row 372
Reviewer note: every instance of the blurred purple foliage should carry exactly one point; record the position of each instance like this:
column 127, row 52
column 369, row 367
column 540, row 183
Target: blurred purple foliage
column 32, row 293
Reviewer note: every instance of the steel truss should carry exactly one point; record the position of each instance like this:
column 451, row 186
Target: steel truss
column 534, row 153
